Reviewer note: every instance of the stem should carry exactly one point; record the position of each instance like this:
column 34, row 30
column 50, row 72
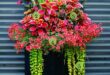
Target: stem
column 40, row 62
column 69, row 61
column 41, row 1
column 80, row 64
column 33, row 62
column 73, row 62
column 51, row 0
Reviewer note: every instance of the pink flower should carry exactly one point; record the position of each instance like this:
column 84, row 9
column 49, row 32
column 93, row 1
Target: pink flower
column 26, row 19
column 74, row 0
column 79, row 5
column 19, row 46
column 28, row 48
column 19, row 2
column 57, row 48
column 35, row 8
column 38, row 40
column 41, row 12
column 33, row 28
column 69, row 8
column 49, row 11
column 46, row 17
column 61, row 43
column 32, row 22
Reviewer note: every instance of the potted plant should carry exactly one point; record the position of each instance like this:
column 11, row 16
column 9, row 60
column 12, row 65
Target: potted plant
column 55, row 28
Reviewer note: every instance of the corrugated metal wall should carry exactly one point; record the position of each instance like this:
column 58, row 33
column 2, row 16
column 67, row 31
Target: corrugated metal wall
column 10, row 62
column 98, row 51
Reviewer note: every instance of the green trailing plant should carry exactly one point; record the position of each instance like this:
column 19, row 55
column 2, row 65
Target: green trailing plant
column 75, row 61
column 80, row 64
column 36, row 62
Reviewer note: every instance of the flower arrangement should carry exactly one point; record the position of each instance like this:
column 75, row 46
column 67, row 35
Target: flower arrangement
column 58, row 26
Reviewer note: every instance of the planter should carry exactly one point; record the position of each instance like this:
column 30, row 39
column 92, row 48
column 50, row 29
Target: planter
column 53, row 64
column 27, row 67
column 54, row 27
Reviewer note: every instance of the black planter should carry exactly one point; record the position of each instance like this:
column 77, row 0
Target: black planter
column 53, row 64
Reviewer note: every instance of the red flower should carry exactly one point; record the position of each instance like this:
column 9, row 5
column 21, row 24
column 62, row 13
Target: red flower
column 44, row 25
column 34, row 33
column 43, row 5
column 74, row 1
column 40, row 32
column 55, row 7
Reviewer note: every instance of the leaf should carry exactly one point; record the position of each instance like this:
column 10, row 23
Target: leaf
column 41, row 1
column 35, row 15
column 51, row 0
column 63, row 6
column 73, row 15
column 26, row 38
column 80, row 66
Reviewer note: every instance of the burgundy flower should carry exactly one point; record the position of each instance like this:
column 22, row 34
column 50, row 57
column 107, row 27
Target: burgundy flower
column 43, row 5
column 34, row 33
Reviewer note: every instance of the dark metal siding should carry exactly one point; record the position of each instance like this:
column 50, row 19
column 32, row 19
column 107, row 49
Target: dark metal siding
column 10, row 62
column 98, row 51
